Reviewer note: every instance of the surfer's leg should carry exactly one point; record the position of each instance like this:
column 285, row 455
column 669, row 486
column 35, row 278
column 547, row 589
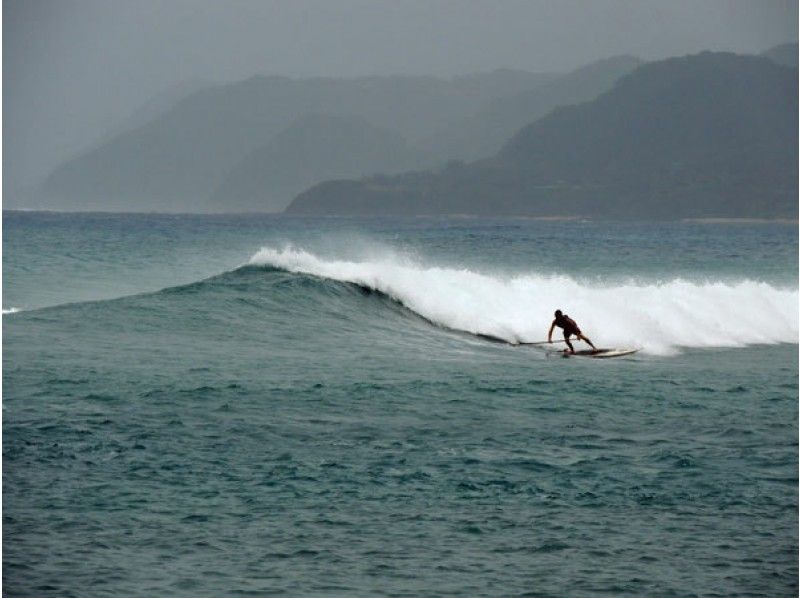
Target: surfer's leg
column 569, row 344
column 584, row 338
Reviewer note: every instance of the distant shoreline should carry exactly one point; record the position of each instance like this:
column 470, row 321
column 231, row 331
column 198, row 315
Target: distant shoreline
column 454, row 216
column 740, row 220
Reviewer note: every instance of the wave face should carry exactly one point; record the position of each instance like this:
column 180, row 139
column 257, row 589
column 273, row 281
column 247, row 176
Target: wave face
column 659, row 317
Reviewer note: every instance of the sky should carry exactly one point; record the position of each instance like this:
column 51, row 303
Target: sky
column 72, row 69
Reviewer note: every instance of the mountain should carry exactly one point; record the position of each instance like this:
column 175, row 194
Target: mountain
column 312, row 149
column 156, row 106
column 708, row 135
column 483, row 134
column 785, row 54
column 58, row 140
column 486, row 86
column 176, row 160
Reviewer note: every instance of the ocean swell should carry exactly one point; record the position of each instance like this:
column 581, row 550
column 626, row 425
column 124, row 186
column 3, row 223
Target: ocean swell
column 659, row 317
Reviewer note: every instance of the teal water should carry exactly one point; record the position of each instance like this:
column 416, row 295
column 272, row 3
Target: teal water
column 253, row 405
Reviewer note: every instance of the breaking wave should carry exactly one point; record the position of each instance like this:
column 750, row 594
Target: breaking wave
column 659, row 316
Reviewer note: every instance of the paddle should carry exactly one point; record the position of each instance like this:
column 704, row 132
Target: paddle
column 497, row 339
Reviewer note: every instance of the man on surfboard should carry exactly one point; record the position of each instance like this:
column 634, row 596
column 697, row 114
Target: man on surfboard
column 569, row 327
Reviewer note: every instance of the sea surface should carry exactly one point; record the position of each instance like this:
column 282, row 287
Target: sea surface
column 255, row 405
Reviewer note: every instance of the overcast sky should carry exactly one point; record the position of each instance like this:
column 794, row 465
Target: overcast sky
column 73, row 68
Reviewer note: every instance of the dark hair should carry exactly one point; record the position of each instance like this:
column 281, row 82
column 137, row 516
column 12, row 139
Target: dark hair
column 558, row 313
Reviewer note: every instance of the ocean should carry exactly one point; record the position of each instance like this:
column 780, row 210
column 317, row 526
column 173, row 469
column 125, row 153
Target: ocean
column 258, row 404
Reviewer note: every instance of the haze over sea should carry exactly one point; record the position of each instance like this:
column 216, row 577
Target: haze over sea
column 209, row 405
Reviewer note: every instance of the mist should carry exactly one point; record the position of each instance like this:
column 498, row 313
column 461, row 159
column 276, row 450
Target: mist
column 73, row 70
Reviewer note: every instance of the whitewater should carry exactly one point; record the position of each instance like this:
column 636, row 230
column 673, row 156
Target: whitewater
column 659, row 317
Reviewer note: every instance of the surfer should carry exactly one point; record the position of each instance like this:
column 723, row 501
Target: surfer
column 569, row 327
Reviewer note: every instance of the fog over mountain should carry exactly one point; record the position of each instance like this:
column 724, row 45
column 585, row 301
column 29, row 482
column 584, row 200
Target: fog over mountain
column 785, row 54
column 483, row 134
column 176, row 160
column 703, row 136
column 85, row 74
column 312, row 149
column 257, row 143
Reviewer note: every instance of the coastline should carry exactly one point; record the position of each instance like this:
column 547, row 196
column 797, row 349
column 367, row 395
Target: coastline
column 740, row 220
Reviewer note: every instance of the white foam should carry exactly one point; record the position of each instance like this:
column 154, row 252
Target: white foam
column 10, row 310
column 658, row 317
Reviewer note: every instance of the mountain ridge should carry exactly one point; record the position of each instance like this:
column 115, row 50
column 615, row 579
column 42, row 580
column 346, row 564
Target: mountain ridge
column 314, row 147
column 707, row 135
column 482, row 134
column 177, row 159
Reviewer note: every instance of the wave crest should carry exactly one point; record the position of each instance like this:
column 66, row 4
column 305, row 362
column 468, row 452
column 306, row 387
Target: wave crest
column 659, row 317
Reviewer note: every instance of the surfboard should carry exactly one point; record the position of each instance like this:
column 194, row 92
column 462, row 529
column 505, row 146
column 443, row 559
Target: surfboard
column 605, row 353
column 600, row 353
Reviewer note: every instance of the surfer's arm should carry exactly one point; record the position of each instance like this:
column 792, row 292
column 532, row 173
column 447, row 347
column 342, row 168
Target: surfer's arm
column 550, row 332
